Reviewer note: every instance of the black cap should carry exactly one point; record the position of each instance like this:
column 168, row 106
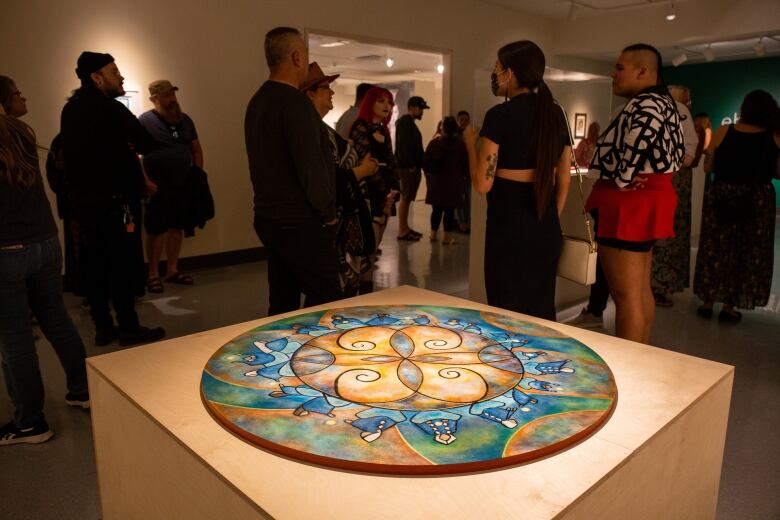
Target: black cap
column 90, row 62
column 417, row 101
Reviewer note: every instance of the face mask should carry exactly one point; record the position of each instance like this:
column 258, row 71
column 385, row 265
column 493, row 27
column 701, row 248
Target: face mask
column 494, row 84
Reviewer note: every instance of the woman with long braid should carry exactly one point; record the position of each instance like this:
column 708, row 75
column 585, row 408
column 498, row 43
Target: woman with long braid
column 523, row 165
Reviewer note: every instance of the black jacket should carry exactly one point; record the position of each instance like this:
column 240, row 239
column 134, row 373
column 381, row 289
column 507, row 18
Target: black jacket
column 100, row 140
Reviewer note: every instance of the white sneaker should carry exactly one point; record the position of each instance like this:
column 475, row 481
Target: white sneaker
column 586, row 320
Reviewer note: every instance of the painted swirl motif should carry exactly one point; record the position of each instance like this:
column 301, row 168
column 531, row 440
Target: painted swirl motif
column 409, row 389
column 415, row 367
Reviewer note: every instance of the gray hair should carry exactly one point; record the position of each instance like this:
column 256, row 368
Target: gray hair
column 278, row 44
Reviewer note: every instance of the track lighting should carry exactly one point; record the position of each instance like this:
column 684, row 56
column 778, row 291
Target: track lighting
column 759, row 48
column 680, row 59
column 670, row 13
column 708, row 53
column 440, row 68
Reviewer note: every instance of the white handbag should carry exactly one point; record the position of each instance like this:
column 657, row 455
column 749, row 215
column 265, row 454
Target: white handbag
column 578, row 257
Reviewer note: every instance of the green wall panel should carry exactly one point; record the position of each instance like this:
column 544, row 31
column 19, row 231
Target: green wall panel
column 719, row 88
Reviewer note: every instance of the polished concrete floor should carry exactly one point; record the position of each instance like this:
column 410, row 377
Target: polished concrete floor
column 58, row 479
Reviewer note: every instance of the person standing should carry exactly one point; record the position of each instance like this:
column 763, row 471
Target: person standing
column 464, row 120
column 355, row 236
column 347, row 119
column 11, row 99
column 370, row 135
column 671, row 271
column 463, row 211
column 293, row 179
column 446, row 166
column 633, row 202
column 31, row 280
column 583, row 153
column 736, row 249
column 168, row 167
column 523, row 167
column 409, row 154
column 100, row 140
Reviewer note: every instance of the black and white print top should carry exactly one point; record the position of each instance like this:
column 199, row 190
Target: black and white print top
column 646, row 137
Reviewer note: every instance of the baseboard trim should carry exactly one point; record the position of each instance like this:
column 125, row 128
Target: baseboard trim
column 224, row 259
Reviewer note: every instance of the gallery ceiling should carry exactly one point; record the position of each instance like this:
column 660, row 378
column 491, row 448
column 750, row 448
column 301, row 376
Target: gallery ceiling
column 352, row 58
column 569, row 15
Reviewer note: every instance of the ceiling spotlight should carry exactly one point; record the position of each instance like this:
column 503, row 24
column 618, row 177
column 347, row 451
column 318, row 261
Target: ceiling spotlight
column 708, row 53
column 679, row 60
column 440, row 68
column 759, row 48
column 338, row 43
column 574, row 11
column 389, row 62
column 670, row 13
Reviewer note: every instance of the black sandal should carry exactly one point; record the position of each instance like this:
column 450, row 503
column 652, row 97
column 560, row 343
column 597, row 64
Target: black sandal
column 154, row 285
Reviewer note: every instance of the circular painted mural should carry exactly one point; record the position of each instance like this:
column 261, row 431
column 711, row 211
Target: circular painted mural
column 408, row 389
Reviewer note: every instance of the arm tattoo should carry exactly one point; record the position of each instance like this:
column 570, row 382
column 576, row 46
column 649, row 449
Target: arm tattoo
column 492, row 159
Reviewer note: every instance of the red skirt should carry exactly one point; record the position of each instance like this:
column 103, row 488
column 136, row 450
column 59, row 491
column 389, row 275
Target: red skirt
column 639, row 215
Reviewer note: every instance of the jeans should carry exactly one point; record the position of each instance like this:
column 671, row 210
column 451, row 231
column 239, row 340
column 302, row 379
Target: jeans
column 31, row 279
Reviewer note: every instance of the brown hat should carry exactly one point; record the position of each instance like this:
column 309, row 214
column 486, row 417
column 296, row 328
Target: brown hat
column 316, row 76
column 161, row 86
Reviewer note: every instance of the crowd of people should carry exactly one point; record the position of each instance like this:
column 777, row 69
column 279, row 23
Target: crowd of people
column 323, row 197
column 101, row 165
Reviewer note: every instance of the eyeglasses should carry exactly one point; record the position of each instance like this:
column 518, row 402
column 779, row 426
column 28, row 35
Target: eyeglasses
column 17, row 93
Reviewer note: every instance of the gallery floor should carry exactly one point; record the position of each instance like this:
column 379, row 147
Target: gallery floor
column 58, row 479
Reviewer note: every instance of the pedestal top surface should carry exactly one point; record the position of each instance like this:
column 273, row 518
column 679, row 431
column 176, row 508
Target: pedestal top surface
column 654, row 387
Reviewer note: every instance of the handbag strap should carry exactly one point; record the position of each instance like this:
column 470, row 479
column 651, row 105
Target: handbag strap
column 579, row 181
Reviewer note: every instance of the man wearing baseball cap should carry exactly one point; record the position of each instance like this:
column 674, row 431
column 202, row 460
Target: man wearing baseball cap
column 100, row 139
column 409, row 153
column 168, row 168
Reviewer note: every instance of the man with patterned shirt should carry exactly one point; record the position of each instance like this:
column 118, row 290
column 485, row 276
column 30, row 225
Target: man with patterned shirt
column 634, row 201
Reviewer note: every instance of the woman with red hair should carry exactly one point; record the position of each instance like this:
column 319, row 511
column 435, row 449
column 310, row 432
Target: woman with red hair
column 370, row 135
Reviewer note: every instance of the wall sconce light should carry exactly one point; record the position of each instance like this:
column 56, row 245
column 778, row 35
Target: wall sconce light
column 679, row 60
column 389, row 62
column 440, row 68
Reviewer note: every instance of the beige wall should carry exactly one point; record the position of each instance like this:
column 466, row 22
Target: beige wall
column 213, row 51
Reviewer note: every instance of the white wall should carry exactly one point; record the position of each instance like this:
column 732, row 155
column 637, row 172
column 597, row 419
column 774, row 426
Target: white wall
column 213, row 52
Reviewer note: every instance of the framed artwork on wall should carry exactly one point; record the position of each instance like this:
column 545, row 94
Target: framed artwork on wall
column 580, row 124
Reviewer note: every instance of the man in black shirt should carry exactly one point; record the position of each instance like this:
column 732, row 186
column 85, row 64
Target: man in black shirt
column 105, row 184
column 294, row 180
column 409, row 153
